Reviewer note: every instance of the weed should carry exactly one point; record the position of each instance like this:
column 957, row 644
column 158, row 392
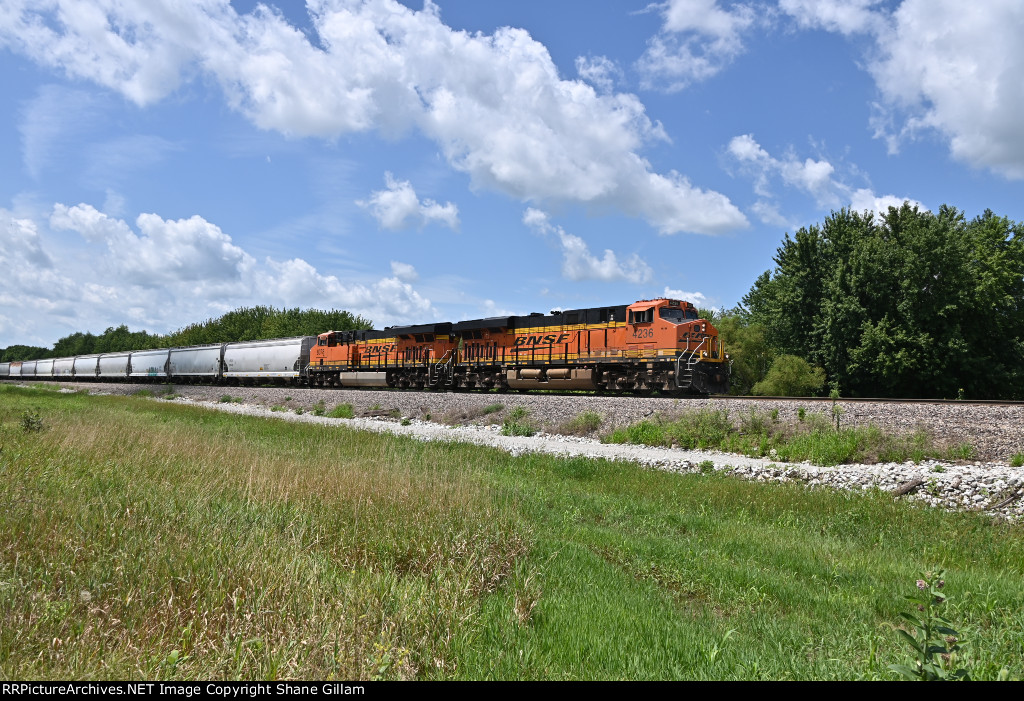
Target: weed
column 342, row 411
column 813, row 438
column 31, row 421
column 142, row 393
column 775, row 414
column 517, row 423
column 706, row 467
column 938, row 468
column 319, row 409
column 1017, row 460
column 493, row 408
column 226, row 399
column 287, row 399
column 801, row 414
column 583, row 424
column 934, row 643
column 279, row 408
column 406, row 422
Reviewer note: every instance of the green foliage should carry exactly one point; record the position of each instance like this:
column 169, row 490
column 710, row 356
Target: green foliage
column 517, row 423
column 582, row 424
column 17, row 352
column 747, row 346
column 493, row 408
column 935, row 645
column 319, row 409
column 812, row 438
column 31, row 421
column 251, row 323
column 342, row 411
column 908, row 304
column 790, row 376
column 1017, row 460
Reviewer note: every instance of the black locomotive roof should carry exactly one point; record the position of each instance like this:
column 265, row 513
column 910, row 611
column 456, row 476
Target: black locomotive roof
column 572, row 317
column 492, row 323
column 441, row 327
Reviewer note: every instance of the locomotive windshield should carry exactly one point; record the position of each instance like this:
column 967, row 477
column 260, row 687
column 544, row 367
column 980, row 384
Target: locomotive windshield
column 676, row 315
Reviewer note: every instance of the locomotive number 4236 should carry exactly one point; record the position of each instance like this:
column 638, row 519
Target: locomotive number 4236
column 643, row 333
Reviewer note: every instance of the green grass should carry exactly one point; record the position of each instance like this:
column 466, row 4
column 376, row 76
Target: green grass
column 342, row 411
column 162, row 541
column 1017, row 460
column 582, row 424
column 812, row 438
column 518, row 423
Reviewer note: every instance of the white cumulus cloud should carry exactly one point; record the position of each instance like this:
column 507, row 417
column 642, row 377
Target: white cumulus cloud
column 495, row 104
column 697, row 40
column 397, row 207
column 816, row 178
column 578, row 263
column 943, row 67
column 694, row 298
column 404, row 271
column 163, row 273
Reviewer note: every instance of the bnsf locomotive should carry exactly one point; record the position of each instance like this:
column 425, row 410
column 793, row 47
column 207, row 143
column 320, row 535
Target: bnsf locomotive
column 655, row 344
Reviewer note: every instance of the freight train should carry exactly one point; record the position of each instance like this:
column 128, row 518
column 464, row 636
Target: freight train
column 650, row 345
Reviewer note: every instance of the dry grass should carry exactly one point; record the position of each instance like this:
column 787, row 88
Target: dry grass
column 133, row 547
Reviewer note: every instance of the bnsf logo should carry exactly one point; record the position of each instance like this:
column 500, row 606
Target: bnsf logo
column 380, row 349
column 542, row 340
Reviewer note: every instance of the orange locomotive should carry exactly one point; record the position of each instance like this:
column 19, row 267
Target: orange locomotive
column 657, row 344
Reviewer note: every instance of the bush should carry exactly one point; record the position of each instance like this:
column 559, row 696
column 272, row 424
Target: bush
column 790, row 376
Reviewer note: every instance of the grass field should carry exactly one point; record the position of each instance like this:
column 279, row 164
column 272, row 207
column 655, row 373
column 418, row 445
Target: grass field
column 142, row 539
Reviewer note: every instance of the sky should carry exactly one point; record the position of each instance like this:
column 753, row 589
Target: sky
column 164, row 162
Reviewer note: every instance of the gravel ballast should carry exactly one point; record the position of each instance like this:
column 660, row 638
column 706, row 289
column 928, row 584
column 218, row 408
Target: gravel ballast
column 988, row 484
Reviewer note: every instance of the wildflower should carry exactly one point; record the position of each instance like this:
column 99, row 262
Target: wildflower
column 950, row 640
column 922, row 585
column 945, row 657
column 941, row 583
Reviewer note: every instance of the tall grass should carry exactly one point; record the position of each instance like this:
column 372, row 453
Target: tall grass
column 164, row 541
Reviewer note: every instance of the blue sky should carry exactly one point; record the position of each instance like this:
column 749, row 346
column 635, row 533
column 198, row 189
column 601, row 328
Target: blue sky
column 166, row 161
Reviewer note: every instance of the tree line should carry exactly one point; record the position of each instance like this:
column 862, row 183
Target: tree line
column 243, row 324
column 910, row 303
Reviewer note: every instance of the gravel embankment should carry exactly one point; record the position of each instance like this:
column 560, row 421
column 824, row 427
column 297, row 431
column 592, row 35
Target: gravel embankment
column 987, row 484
